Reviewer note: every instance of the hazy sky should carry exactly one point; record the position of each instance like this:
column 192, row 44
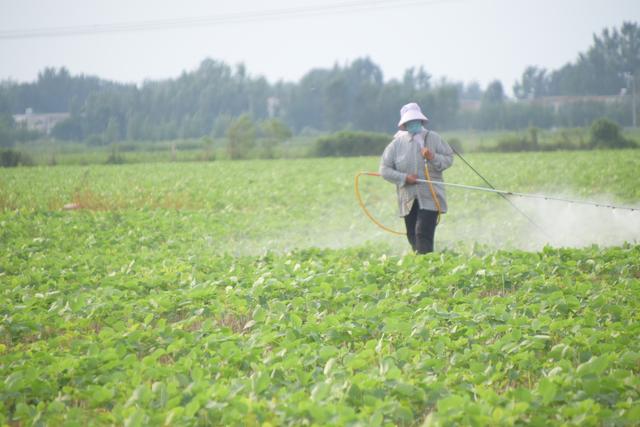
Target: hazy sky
column 464, row 40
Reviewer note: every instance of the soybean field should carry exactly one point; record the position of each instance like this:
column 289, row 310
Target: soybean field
column 257, row 293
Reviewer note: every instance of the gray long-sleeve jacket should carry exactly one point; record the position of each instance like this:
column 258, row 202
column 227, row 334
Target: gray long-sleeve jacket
column 402, row 157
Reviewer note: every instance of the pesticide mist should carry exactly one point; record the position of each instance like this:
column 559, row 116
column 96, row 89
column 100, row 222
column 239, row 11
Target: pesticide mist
column 495, row 223
column 575, row 225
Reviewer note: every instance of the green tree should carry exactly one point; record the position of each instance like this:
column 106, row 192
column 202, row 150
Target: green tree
column 11, row 158
column 277, row 129
column 112, row 132
column 221, row 124
column 241, row 135
column 70, row 129
column 534, row 84
column 601, row 70
column 606, row 133
column 494, row 95
column 7, row 134
column 492, row 107
column 12, row 132
column 274, row 132
column 351, row 143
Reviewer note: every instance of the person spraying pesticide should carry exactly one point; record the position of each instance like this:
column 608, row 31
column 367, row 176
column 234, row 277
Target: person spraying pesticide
column 414, row 160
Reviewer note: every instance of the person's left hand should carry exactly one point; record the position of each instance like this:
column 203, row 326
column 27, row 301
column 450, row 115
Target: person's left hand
column 427, row 154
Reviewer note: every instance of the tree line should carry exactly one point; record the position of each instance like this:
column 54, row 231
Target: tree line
column 607, row 67
column 206, row 101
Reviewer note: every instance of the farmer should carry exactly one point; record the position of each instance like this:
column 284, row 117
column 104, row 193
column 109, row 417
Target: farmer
column 403, row 162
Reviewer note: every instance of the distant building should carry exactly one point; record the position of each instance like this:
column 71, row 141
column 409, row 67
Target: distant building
column 273, row 106
column 469, row 104
column 40, row 122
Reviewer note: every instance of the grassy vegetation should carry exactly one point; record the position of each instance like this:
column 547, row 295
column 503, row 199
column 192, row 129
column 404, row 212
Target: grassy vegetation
column 191, row 150
column 46, row 152
column 282, row 200
column 473, row 141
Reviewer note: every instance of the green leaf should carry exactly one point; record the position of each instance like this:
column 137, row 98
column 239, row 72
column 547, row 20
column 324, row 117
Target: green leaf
column 136, row 419
column 547, row 390
column 191, row 408
column 327, row 351
column 100, row 395
column 148, row 318
column 389, row 370
column 14, row 382
column 328, row 367
column 595, row 366
column 259, row 382
column 320, row 391
column 451, row 404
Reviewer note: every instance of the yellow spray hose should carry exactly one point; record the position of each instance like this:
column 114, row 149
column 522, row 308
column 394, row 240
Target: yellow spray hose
column 433, row 193
column 373, row 219
column 364, row 207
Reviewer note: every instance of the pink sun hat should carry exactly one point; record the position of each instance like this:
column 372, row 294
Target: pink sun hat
column 411, row 111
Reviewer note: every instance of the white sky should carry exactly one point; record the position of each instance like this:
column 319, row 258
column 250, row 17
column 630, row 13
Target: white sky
column 464, row 40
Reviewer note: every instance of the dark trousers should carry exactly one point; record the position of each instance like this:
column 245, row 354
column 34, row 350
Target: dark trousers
column 421, row 228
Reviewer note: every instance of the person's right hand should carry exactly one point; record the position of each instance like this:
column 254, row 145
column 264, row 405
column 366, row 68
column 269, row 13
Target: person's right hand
column 411, row 179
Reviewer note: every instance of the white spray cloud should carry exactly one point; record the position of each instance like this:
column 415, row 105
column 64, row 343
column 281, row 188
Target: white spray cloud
column 495, row 223
column 473, row 218
column 577, row 225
